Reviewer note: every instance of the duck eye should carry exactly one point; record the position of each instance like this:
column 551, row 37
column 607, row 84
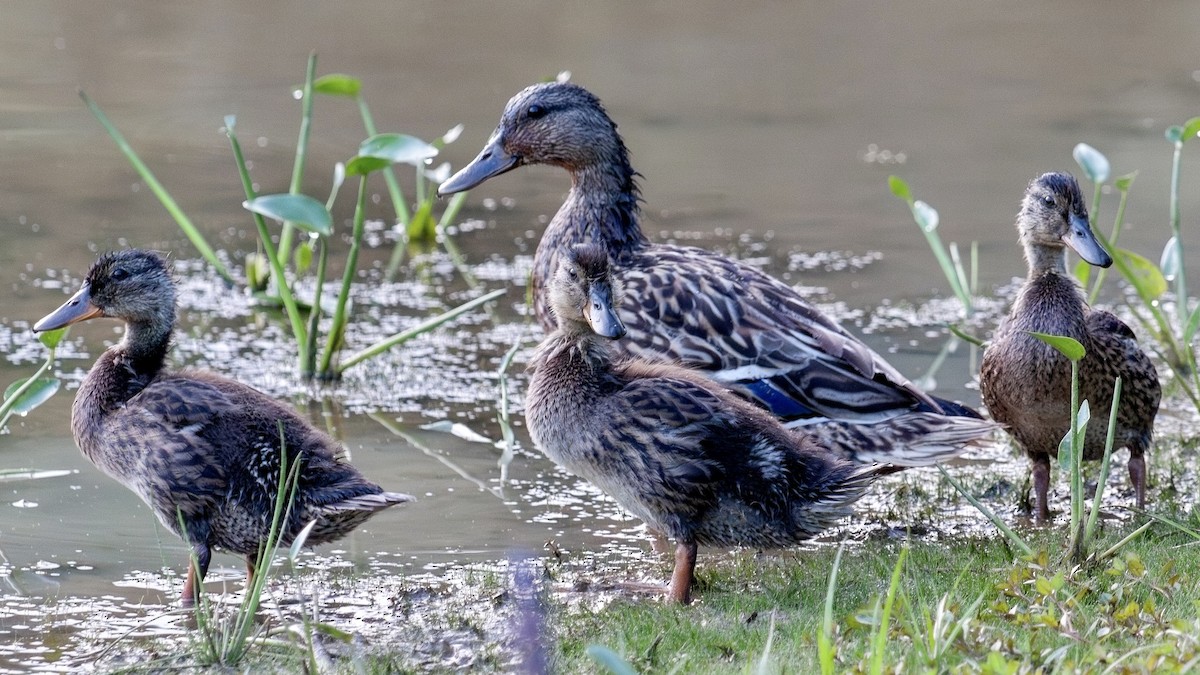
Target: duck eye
column 1048, row 201
column 572, row 273
column 536, row 112
column 119, row 274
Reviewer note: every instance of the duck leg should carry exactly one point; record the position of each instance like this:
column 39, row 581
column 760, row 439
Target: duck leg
column 1041, row 485
column 197, row 569
column 685, row 567
column 1137, row 475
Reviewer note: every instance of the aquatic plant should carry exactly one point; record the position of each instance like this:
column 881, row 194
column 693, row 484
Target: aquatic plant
column 28, row 393
column 948, row 257
column 267, row 273
column 1174, row 339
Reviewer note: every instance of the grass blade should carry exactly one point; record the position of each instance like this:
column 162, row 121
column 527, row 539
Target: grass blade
column 880, row 640
column 825, row 655
column 1008, row 533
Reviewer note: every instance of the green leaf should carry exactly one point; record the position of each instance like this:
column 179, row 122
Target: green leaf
column 1093, row 162
column 925, row 215
column 298, row 542
column 610, row 660
column 361, row 166
column 1083, row 272
column 452, row 134
column 457, row 429
column 304, row 211
column 1068, row 347
column 1085, row 416
column 1190, row 129
column 1064, row 452
column 1171, row 259
column 423, row 227
column 1174, row 134
column 336, row 84
column 1144, row 275
column 303, row 256
column 900, row 188
column 1192, row 324
column 398, row 149
column 51, row 338
column 41, row 390
column 1125, row 182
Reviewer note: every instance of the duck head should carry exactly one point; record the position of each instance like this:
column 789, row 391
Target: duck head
column 556, row 123
column 584, row 293
column 1053, row 216
column 134, row 286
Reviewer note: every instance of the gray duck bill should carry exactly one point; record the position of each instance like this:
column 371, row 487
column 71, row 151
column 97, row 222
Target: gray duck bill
column 78, row 308
column 492, row 161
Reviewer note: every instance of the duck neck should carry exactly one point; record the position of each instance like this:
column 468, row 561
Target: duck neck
column 575, row 354
column 1045, row 260
column 126, row 369
column 602, row 206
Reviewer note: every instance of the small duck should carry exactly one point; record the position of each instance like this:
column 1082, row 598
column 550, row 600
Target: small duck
column 674, row 448
column 198, row 448
column 740, row 327
column 1026, row 384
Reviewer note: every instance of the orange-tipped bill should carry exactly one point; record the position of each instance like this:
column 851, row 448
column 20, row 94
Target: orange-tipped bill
column 78, row 308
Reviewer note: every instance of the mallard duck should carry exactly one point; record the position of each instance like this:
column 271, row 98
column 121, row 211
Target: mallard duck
column 744, row 329
column 672, row 447
column 198, row 448
column 1026, row 384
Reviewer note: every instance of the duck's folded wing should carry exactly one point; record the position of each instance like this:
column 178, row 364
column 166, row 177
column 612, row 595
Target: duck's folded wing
column 755, row 335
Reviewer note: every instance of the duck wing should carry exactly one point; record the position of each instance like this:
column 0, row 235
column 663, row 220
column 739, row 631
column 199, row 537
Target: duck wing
column 757, row 336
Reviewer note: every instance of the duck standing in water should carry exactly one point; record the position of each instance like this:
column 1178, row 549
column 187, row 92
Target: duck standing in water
column 196, row 447
column 1026, row 384
column 672, row 447
column 740, row 327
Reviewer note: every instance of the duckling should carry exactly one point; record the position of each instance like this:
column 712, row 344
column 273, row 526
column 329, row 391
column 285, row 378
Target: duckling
column 672, row 447
column 198, row 448
column 737, row 325
column 1026, row 384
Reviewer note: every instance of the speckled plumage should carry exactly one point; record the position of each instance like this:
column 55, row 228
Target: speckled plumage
column 1026, row 384
column 678, row 451
column 728, row 320
column 195, row 446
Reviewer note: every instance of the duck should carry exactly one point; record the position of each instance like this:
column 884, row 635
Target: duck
column 671, row 446
column 1026, row 384
column 203, row 451
column 744, row 329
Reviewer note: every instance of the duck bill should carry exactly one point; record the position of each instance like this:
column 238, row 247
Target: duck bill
column 600, row 313
column 78, row 308
column 1080, row 238
column 492, row 161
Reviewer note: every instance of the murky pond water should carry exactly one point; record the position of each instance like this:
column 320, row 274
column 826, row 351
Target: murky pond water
column 767, row 133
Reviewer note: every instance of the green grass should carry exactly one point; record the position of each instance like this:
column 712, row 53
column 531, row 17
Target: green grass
column 1034, row 611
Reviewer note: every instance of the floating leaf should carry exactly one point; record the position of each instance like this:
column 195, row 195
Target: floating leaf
column 1171, row 259
column 32, row 474
column 1068, row 347
column 456, row 429
column 336, row 84
column 361, row 166
column 398, row 148
column 900, row 188
column 301, row 210
column 51, row 338
column 1145, row 276
column 41, row 390
column 925, row 215
column 1093, row 162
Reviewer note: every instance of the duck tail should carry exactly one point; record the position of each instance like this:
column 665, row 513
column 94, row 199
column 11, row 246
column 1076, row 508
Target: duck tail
column 369, row 503
column 915, row 439
column 837, row 497
column 956, row 409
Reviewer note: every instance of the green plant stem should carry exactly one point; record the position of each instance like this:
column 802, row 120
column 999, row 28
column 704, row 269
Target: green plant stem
column 1112, row 550
column 423, row 327
column 1112, row 241
column 1181, row 297
column 1012, row 537
column 389, row 175
column 1076, row 545
column 825, row 653
column 879, row 643
column 306, row 106
column 189, row 229
column 338, row 326
column 285, row 291
column 8, row 404
column 1102, row 480
column 314, row 315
